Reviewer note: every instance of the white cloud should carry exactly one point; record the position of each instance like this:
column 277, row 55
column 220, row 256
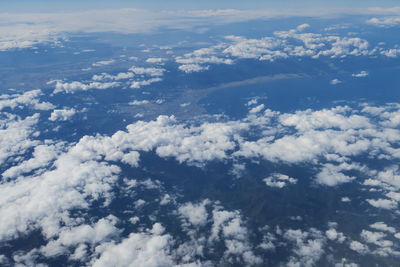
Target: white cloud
column 308, row 247
column 302, row 27
column 195, row 214
column 101, row 231
column 103, row 63
column 331, row 175
column 391, row 53
column 42, row 155
column 228, row 226
column 118, row 76
column 24, row 30
column 345, row 199
column 257, row 109
column 62, row 114
column 375, row 238
column 29, row 99
column 335, row 81
column 383, row 203
column 150, row 248
column 152, row 72
column 138, row 102
column 383, row 227
column 333, row 235
column 83, row 172
column 359, row 247
column 361, row 74
column 15, row 136
column 139, row 84
column 75, row 86
column 279, row 180
column 385, row 22
column 283, row 44
column 189, row 68
column 155, row 60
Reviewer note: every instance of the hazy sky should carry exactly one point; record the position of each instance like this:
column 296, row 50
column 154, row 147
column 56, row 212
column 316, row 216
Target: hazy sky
column 74, row 5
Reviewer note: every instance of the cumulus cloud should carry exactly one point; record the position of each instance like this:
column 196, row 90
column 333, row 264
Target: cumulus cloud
column 384, row 22
column 77, row 237
column 229, row 227
column 279, row 180
column 359, row 247
column 189, row 68
column 72, row 87
column 103, row 63
column 16, row 136
column 59, row 178
column 332, row 175
column 257, row 109
column 152, row 248
column 383, row 227
column 282, row 45
column 42, row 156
column 383, row 203
column 335, row 81
column 375, row 238
column 139, row 84
column 25, row 30
column 62, row 114
column 28, row 99
column 139, row 102
column 157, row 60
column 308, row 246
column 361, row 74
column 391, row 53
column 195, row 214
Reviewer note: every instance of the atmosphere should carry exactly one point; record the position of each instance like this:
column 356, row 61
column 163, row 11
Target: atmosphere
column 199, row 133
column 76, row 5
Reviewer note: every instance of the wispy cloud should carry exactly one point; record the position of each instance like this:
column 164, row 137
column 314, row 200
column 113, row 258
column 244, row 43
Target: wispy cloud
column 22, row 30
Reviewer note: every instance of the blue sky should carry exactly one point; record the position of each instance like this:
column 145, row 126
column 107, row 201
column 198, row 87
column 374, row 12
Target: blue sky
column 74, row 5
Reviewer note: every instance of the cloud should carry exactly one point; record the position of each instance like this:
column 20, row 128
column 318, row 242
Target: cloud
column 391, row 53
column 75, row 86
column 42, row 156
column 375, row 238
column 384, row 22
column 40, row 192
column 279, row 180
column 195, row 214
column 361, row 74
column 383, row 203
column 257, row 109
column 62, row 114
column 281, row 45
column 308, row 246
column 103, row 63
column 25, row 30
column 333, row 235
column 383, row 227
column 335, row 81
column 189, row 68
column 139, row 84
column 15, row 136
column 27, row 99
column 302, row 27
column 139, row 102
column 150, row 248
column 156, row 60
column 359, row 247
column 331, row 175
column 228, row 226
column 100, row 232
column 152, row 72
